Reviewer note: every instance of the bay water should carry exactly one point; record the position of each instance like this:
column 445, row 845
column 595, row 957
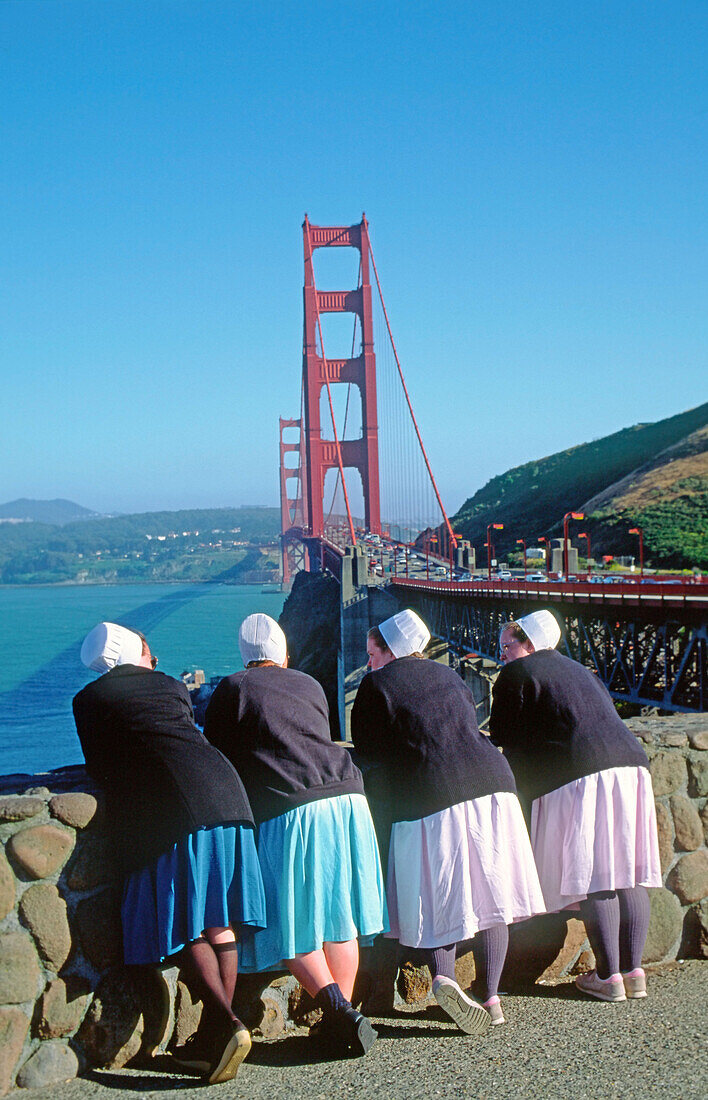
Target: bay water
column 187, row 626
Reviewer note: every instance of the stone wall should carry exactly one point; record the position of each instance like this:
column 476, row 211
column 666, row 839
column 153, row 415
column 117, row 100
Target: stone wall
column 67, row 1003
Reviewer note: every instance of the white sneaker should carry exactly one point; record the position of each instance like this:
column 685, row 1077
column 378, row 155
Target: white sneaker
column 635, row 983
column 605, row 989
column 469, row 1015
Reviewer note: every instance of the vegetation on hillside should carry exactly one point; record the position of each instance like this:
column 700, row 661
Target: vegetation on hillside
column 189, row 545
column 530, row 500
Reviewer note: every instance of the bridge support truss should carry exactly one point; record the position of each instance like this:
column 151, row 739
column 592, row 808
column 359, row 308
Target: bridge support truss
column 643, row 660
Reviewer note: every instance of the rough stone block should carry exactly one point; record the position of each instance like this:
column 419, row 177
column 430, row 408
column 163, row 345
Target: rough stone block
column 665, row 831
column 665, row 925
column 689, row 878
column 99, row 929
column 575, row 940
column 188, row 1013
column 704, row 819
column 674, row 740
column 14, row 1026
column 668, row 773
column 112, row 1030
column 62, row 1007
column 7, row 887
column 39, row 792
column 698, row 738
column 414, row 983
column 19, row 969
column 687, row 823
column 43, row 911
column 73, row 808
column 50, row 1064
column 91, row 864
column 40, row 850
column 698, row 777
column 18, row 807
column 533, row 947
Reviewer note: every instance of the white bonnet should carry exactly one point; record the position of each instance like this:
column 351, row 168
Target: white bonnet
column 405, row 633
column 261, row 639
column 541, row 627
column 108, row 645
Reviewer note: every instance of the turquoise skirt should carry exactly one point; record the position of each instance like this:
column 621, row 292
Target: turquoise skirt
column 209, row 879
column 322, row 879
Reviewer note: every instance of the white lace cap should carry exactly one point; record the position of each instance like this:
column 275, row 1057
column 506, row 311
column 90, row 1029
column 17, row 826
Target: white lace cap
column 542, row 628
column 108, row 645
column 405, row 633
column 261, row 639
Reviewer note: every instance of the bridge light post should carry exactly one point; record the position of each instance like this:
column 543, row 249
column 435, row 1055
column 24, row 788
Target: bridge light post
column 566, row 519
column 491, row 527
column 583, row 535
column 523, row 544
column 639, row 531
column 546, row 544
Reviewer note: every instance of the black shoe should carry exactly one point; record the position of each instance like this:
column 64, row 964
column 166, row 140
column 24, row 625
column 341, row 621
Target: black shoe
column 231, row 1047
column 195, row 1055
column 345, row 1032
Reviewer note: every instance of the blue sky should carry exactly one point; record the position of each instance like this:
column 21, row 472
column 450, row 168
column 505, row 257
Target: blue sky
column 534, row 175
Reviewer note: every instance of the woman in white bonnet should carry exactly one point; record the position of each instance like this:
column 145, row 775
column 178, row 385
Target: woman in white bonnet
column 593, row 824
column 183, row 832
column 316, row 840
column 460, row 865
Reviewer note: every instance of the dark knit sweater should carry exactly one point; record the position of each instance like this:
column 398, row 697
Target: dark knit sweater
column 556, row 722
column 273, row 724
column 417, row 719
column 161, row 777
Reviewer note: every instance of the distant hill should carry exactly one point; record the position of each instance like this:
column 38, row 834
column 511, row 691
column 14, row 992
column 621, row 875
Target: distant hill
column 189, row 545
column 652, row 474
column 56, row 512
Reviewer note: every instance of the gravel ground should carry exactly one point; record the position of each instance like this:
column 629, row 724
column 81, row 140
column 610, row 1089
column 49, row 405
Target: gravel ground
column 556, row 1044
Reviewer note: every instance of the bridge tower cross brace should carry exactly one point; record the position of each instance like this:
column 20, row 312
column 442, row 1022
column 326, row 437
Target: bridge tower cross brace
column 321, row 454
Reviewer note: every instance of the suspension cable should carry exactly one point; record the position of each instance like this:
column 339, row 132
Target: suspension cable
column 450, row 532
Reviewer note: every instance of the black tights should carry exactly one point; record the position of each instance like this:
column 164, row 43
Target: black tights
column 489, row 947
column 210, row 970
column 617, row 922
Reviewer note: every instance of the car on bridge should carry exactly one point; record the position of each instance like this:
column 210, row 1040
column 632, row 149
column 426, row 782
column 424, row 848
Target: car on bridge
column 537, row 577
column 503, row 575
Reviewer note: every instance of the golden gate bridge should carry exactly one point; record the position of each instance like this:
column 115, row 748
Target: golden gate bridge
column 353, row 468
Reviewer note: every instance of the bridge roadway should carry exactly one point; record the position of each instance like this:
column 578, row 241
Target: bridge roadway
column 647, row 640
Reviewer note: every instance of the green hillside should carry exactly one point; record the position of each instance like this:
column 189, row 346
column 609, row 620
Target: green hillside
column 530, row 500
column 190, row 545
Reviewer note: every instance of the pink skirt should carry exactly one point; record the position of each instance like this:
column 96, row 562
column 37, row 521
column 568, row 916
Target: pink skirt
column 459, row 871
column 596, row 833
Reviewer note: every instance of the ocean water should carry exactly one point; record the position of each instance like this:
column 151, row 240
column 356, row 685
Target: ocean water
column 187, row 626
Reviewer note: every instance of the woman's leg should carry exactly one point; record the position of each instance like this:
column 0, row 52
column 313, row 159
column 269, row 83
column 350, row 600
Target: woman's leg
column 601, row 916
column 489, row 948
column 634, row 925
column 342, row 1025
column 343, row 962
column 200, row 963
column 210, row 964
column 468, row 1014
column 223, row 942
column 311, row 970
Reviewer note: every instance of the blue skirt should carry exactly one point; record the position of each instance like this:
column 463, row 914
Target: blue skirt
column 209, row 879
column 322, row 879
